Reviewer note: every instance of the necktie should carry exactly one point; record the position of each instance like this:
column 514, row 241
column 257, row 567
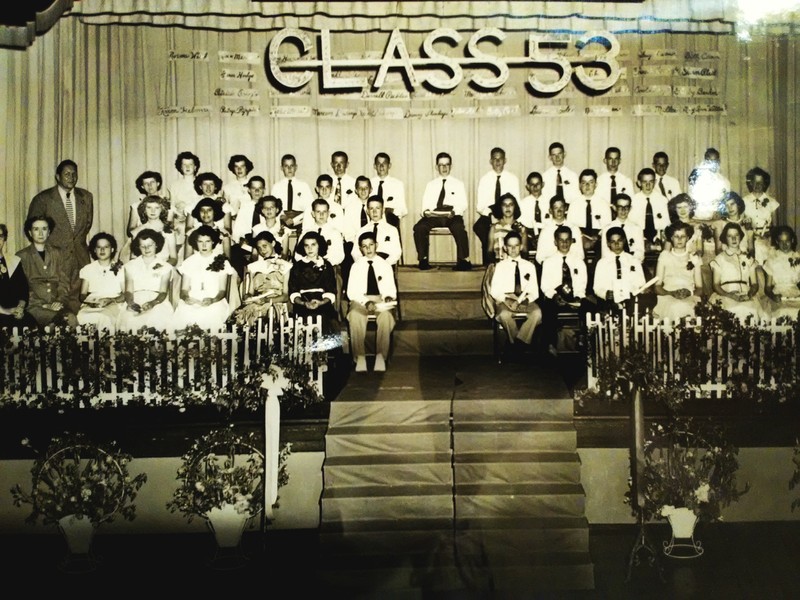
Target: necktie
column 289, row 195
column 559, row 184
column 364, row 217
column 517, row 279
column 613, row 187
column 619, row 268
column 661, row 187
column 380, row 189
column 70, row 210
column 649, row 222
column 537, row 212
column 375, row 230
column 338, row 194
column 497, row 193
column 566, row 277
column 319, row 230
column 372, row 281
column 440, row 201
column 588, row 214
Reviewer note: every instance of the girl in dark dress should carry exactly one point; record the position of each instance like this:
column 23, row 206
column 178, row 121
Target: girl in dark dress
column 13, row 288
column 312, row 283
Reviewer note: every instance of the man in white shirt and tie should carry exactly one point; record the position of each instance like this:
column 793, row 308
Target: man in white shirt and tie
column 320, row 209
column 567, row 187
column 391, row 189
column 650, row 210
column 612, row 181
column 666, row 185
column 515, row 289
column 295, row 194
column 385, row 234
column 534, row 208
column 491, row 187
column 444, row 203
column 371, row 286
column 591, row 211
column 343, row 184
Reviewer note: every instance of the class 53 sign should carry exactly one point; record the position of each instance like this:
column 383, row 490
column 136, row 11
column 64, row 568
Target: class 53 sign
column 592, row 62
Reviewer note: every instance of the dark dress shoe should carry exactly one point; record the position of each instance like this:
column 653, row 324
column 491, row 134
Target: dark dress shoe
column 424, row 265
column 463, row 265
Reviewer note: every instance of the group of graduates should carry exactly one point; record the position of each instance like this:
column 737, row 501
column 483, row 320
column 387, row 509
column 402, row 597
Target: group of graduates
column 203, row 252
column 600, row 247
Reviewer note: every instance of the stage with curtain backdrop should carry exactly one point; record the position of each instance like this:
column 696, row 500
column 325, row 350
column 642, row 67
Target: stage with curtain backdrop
column 122, row 88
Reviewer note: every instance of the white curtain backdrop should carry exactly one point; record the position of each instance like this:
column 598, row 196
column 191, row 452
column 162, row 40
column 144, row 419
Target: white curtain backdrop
column 92, row 92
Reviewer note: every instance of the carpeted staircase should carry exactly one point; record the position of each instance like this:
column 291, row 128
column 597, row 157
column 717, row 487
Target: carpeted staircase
column 449, row 473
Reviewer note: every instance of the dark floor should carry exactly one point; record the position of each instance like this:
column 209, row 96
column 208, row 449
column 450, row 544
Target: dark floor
column 741, row 560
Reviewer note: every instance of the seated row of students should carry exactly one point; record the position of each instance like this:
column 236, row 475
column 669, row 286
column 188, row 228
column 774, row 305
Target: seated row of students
column 618, row 283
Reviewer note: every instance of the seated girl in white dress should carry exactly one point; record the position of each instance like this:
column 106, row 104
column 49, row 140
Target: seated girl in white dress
column 735, row 280
column 205, row 277
column 153, row 215
column 102, row 285
column 782, row 269
column 147, row 282
column 679, row 282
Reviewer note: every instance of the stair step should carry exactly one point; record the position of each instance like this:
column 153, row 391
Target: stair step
column 411, row 279
column 377, row 412
column 387, row 474
column 520, row 472
column 432, row 440
column 545, row 436
column 393, row 458
column 407, row 523
column 442, row 337
column 428, row 305
column 471, row 501
column 516, row 409
column 551, row 577
column 430, row 501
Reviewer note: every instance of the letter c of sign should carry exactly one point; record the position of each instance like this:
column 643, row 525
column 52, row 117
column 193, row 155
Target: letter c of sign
column 292, row 80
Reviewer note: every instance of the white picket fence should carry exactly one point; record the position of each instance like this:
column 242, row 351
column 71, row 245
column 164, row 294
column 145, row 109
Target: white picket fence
column 30, row 367
column 662, row 342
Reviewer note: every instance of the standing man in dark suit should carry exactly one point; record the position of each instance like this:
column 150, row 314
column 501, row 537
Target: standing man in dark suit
column 72, row 211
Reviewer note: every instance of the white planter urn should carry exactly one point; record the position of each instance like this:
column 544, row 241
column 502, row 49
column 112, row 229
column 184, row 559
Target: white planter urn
column 227, row 525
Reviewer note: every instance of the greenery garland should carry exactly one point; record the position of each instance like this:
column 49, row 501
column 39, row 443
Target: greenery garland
column 158, row 370
column 742, row 359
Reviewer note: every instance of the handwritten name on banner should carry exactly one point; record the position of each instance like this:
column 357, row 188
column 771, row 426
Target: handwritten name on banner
column 188, row 55
column 653, row 90
column 440, row 66
column 184, row 111
column 238, row 75
column 658, row 54
column 698, row 110
column 290, row 111
column 693, row 91
column 240, row 111
column 546, row 110
column 237, row 93
column 251, row 58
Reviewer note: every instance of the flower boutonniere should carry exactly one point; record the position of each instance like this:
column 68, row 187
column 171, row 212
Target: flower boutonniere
column 348, row 192
column 633, row 269
column 794, row 262
column 527, row 277
column 390, row 198
column 597, row 217
column 380, row 277
column 387, row 239
column 764, row 202
column 332, row 215
column 566, row 182
column 575, row 271
column 217, row 264
column 689, row 265
column 658, row 216
column 157, row 266
column 745, row 260
column 631, row 241
column 115, row 267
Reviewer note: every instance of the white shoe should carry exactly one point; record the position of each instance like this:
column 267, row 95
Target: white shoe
column 361, row 364
column 380, row 364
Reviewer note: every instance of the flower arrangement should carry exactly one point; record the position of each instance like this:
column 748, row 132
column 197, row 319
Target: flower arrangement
column 78, row 477
column 223, row 467
column 688, row 464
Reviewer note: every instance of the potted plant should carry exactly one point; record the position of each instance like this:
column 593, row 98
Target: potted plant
column 79, row 484
column 222, row 478
column 689, row 467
